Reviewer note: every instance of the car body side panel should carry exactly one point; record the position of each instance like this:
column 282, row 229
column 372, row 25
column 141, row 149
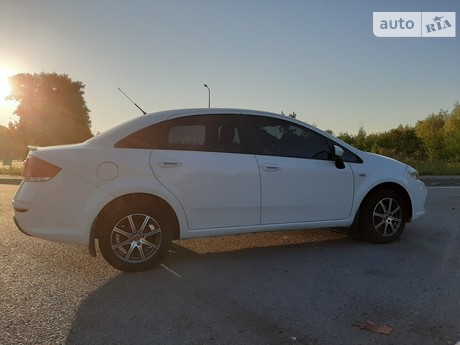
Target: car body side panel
column 58, row 208
column 379, row 170
column 141, row 185
column 304, row 190
column 215, row 189
column 76, row 195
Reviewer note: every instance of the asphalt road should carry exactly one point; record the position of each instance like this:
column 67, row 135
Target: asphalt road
column 303, row 287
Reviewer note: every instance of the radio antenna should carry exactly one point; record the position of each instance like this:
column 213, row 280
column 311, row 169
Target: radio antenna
column 143, row 112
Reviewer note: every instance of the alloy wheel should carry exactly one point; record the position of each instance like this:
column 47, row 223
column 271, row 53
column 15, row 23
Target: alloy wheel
column 387, row 217
column 136, row 238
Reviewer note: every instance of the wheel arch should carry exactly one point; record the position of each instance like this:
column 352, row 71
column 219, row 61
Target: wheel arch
column 398, row 189
column 154, row 200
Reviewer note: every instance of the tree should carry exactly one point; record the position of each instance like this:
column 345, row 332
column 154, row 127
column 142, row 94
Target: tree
column 431, row 132
column 7, row 147
column 452, row 135
column 400, row 143
column 349, row 139
column 51, row 109
column 359, row 140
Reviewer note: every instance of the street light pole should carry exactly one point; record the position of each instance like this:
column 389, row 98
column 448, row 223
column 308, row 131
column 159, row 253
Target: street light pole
column 209, row 95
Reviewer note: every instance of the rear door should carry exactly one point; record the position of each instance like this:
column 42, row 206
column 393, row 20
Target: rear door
column 204, row 161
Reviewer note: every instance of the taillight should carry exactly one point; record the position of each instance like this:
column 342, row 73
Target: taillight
column 38, row 170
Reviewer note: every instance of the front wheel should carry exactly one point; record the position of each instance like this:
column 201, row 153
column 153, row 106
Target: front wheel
column 382, row 217
column 134, row 237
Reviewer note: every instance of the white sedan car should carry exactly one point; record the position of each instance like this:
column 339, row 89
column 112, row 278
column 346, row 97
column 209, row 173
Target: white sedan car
column 205, row 172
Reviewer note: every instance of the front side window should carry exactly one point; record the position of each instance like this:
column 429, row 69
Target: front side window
column 284, row 138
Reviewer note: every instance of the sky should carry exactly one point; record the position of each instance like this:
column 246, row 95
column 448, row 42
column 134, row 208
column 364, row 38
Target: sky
column 317, row 58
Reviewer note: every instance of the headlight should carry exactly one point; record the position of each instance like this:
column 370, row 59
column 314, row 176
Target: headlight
column 412, row 172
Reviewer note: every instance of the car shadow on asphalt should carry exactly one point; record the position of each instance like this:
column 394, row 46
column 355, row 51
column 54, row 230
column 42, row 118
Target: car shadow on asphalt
column 303, row 287
column 222, row 290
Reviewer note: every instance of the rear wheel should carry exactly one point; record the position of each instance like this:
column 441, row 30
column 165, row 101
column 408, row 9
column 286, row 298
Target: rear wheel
column 382, row 217
column 134, row 237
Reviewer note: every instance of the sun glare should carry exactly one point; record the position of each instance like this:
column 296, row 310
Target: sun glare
column 5, row 87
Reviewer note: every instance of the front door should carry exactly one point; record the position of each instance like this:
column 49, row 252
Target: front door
column 299, row 180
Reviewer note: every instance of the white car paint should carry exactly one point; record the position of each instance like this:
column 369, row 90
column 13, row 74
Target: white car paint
column 304, row 190
column 215, row 189
column 211, row 193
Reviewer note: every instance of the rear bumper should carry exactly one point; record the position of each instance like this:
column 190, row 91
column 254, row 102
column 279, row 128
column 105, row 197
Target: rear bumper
column 19, row 227
column 54, row 210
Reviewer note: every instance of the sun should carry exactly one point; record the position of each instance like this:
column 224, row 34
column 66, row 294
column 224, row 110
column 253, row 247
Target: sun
column 5, row 87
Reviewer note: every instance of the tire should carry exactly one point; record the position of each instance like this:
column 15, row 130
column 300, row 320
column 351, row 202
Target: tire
column 382, row 217
column 134, row 236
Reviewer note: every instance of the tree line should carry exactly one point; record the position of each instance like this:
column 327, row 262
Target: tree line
column 52, row 111
column 436, row 138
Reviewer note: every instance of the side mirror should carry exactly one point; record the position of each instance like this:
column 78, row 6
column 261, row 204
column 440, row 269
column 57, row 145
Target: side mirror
column 338, row 153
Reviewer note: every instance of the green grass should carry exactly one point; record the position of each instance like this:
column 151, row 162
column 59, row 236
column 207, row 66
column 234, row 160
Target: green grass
column 435, row 167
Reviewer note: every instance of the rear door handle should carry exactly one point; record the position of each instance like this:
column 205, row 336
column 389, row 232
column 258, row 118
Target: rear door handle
column 169, row 164
column 270, row 167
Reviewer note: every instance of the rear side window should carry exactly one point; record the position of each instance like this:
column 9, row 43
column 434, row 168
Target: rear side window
column 215, row 133
column 186, row 137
